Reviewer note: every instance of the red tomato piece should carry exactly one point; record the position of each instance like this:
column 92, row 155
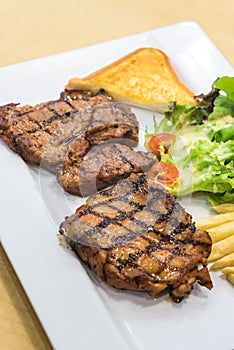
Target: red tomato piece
column 164, row 172
column 161, row 139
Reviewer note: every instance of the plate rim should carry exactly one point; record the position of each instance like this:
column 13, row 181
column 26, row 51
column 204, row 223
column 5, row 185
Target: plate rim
column 38, row 60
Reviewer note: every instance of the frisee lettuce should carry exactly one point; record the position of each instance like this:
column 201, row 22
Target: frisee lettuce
column 204, row 149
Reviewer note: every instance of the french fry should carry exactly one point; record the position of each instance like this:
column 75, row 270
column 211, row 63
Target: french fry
column 214, row 220
column 230, row 278
column 222, row 248
column 220, row 232
column 224, row 208
column 228, row 270
column 227, row 260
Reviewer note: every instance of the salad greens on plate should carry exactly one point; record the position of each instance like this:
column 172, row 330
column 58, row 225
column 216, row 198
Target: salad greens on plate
column 202, row 145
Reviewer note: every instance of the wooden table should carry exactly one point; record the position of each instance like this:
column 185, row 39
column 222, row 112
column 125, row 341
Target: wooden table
column 32, row 29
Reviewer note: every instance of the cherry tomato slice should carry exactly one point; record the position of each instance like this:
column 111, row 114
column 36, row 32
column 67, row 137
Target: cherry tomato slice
column 161, row 139
column 164, row 172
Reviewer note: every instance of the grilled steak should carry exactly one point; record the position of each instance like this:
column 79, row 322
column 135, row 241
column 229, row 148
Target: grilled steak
column 135, row 236
column 48, row 133
column 106, row 167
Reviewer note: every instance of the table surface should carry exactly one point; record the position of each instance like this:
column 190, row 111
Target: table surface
column 32, row 29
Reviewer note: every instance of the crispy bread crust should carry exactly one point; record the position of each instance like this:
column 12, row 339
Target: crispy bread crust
column 144, row 77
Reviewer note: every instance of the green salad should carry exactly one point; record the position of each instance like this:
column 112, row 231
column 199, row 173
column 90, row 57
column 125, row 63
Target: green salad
column 197, row 145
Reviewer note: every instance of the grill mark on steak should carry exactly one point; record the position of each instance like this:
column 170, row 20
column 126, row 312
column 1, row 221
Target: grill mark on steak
column 44, row 124
column 154, row 253
column 117, row 221
column 119, row 152
column 11, row 113
column 109, row 164
column 44, row 134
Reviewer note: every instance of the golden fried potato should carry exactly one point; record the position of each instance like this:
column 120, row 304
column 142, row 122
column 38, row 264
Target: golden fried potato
column 214, row 220
column 220, row 232
column 227, row 260
column 228, row 270
column 224, row 208
column 230, row 278
column 222, row 248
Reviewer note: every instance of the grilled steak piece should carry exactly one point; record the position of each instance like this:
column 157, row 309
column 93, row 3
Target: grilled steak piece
column 27, row 130
column 135, row 236
column 81, row 131
column 106, row 167
column 44, row 134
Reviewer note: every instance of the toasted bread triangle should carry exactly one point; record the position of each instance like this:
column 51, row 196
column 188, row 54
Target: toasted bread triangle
column 143, row 78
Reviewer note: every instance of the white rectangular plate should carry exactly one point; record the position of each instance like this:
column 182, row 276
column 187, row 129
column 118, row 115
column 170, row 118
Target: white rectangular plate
column 75, row 311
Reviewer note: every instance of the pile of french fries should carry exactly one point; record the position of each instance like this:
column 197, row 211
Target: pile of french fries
column 221, row 229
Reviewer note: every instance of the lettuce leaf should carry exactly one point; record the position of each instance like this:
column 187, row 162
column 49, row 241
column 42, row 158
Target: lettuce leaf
column 204, row 148
column 220, row 198
column 225, row 84
column 211, row 167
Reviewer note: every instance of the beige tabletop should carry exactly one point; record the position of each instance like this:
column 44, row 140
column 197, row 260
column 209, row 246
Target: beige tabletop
column 31, row 29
